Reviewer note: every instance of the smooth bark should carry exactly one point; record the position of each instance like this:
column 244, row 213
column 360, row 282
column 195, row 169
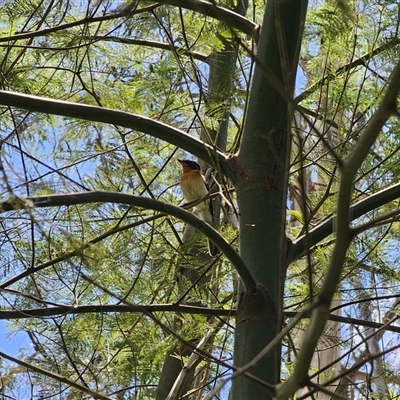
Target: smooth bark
column 261, row 182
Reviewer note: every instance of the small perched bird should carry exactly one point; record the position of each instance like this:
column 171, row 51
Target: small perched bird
column 194, row 188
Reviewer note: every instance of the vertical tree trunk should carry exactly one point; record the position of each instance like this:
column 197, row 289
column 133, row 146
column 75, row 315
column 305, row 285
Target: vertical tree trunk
column 261, row 182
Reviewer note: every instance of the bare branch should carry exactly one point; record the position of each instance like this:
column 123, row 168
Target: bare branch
column 123, row 198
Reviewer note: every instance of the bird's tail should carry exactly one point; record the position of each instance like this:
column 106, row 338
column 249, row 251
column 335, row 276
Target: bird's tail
column 212, row 248
column 207, row 217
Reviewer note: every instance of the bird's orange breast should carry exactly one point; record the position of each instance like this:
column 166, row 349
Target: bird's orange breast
column 193, row 185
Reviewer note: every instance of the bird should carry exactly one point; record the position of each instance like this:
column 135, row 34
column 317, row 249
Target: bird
column 194, row 188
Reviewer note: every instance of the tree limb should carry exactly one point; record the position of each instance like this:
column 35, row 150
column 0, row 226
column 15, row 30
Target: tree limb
column 123, row 198
column 115, row 117
column 326, row 227
column 232, row 19
column 319, row 317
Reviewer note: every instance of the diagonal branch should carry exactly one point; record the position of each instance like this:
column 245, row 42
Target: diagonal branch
column 83, row 21
column 150, row 43
column 319, row 317
column 347, row 67
column 123, row 198
column 232, row 19
column 57, row 377
column 326, row 227
column 128, row 120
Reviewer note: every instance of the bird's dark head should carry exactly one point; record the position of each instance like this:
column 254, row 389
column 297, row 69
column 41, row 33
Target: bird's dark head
column 188, row 164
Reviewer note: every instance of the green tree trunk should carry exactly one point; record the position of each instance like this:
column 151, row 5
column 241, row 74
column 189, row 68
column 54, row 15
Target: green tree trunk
column 262, row 170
